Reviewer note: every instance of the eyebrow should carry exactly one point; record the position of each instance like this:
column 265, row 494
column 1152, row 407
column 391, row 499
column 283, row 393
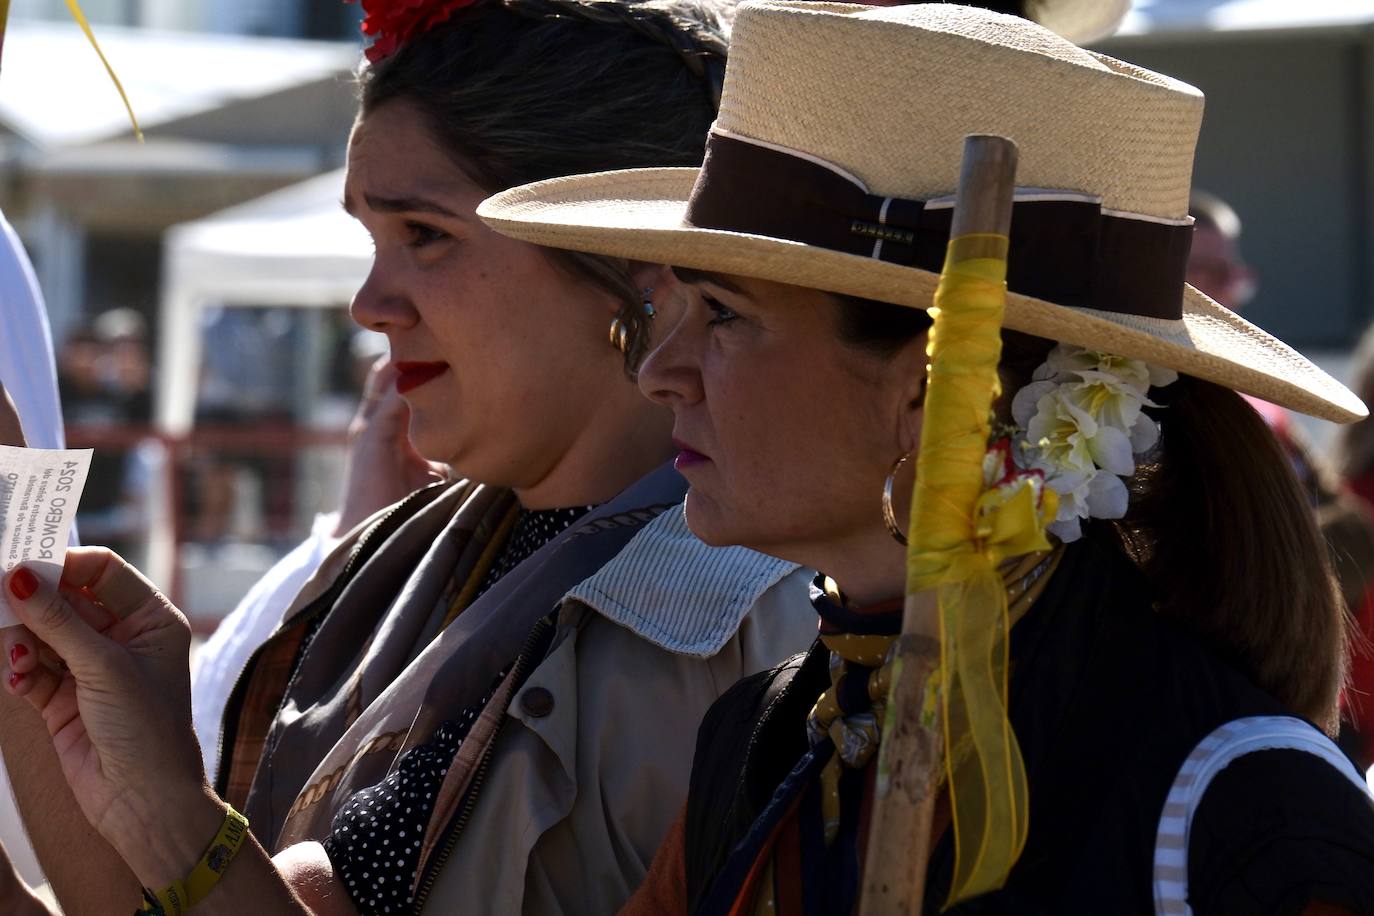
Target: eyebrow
column 399, row 205
column 691, row 276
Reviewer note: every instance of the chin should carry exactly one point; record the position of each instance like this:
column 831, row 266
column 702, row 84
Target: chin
column 712, row 523
column 433, row 441
column 719, row 525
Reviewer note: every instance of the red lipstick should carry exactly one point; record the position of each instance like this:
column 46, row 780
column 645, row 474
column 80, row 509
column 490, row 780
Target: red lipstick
column 410, row 376
column 687, row 456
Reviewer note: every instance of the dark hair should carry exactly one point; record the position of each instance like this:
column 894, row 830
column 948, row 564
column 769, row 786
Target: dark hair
column 879, row 328
column 523, row 90
column 1217, row 523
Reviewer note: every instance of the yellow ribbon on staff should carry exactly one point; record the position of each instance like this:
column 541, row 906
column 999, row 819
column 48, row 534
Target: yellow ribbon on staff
column 75, row 9
column 961, row 529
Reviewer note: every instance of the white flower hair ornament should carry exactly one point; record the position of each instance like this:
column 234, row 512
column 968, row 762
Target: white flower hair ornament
column 1083, row 427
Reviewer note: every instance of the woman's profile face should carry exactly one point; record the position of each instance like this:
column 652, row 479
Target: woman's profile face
column 503, row 355
column 786, row 432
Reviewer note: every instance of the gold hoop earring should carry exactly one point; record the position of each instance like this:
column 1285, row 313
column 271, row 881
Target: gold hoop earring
column 620, row 334
column 890, row 514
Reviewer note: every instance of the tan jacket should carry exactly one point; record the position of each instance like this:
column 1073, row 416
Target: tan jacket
column 591, row 763
column 582, row 790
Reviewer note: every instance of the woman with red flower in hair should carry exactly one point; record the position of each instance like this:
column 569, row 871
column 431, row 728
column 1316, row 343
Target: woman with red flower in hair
column 490, row 691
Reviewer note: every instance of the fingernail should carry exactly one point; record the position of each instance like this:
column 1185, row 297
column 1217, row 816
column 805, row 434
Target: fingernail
column 16, row 680
column 17, row 653
column 23, row 584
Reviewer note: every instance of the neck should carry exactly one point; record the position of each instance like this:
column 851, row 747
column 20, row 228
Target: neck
column 869, row 566
column 620, row 444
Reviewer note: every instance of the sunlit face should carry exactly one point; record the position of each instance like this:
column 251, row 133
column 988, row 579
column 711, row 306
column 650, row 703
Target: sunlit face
column 786, row 433
column 503, row 354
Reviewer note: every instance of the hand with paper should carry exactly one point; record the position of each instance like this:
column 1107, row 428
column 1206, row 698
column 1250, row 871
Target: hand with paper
column 111, row 682
column 39, row 493
column 113, row 689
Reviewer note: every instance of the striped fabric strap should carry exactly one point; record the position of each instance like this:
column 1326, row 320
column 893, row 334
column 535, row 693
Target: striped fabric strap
column 1212, row 755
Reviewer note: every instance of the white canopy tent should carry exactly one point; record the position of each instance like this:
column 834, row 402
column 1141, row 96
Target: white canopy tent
column 294, row 247
column 56, row 94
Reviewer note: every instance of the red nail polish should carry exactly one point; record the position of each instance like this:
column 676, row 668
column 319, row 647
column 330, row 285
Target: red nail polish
column 23, row 584
column 17, row 653
column 16, row 680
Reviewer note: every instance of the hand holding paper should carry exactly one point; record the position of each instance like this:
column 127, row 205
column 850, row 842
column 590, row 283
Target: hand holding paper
column 115, row 698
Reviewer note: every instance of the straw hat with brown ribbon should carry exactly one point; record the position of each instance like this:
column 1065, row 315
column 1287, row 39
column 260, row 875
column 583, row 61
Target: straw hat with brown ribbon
column 834, row 160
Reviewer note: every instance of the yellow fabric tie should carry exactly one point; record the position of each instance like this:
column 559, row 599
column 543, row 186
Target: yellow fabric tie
column 966, row 518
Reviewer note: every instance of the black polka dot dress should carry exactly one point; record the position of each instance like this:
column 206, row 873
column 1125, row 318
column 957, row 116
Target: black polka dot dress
column 375, row 841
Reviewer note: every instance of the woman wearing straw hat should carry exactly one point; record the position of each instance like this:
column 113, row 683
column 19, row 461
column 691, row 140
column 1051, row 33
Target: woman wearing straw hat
column 1177, row 645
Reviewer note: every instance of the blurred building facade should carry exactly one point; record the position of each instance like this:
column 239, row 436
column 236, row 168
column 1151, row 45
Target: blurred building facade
column 280, row 18
column 227, row 116
column 1288, row 140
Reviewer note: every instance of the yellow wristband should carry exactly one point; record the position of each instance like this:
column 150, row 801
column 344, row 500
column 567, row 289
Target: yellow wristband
column 180, row 896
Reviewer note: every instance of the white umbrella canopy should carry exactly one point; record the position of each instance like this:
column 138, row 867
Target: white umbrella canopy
column 55, row 92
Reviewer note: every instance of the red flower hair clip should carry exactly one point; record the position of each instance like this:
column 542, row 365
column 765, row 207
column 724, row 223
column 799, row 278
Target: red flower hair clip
column 392, row 23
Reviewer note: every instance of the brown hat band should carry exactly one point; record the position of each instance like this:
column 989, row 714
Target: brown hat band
column 1063, row 250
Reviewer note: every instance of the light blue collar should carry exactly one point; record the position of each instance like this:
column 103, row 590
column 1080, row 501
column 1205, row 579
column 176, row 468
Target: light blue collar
column 668, row 587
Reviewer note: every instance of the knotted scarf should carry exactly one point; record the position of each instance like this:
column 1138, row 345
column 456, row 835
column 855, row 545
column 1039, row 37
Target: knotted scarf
column 810, row 861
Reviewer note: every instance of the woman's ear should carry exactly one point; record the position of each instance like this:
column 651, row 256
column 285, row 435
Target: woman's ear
column 911, row 379
column 649, row 276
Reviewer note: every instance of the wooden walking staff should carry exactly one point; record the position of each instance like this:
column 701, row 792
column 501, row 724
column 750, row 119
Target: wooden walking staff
column 964, row 351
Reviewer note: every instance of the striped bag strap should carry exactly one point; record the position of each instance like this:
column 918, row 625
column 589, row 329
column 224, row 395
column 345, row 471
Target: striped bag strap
column 1213, row 754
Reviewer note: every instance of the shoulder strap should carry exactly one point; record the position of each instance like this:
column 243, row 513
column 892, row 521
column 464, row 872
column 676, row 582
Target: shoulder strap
column 1213, row 754
column 749, row 740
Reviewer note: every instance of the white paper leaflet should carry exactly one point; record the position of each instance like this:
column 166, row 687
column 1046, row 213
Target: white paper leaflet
column 39, row 492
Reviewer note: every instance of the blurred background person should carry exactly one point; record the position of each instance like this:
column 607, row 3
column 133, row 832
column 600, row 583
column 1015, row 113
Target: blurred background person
column 104, row 372
column 1354, row 449
column 1216, row 267
column 247, row 376
column 1354, row 463
column 382, row 468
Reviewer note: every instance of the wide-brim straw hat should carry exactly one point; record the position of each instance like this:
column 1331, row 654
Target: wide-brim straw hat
column 834, row 160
